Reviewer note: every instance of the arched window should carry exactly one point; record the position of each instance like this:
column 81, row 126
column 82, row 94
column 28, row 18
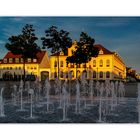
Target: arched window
column 84, row 74
column 107, row 74
column 94, row 63
column 94, row 74
column 78, row 73
column 55, row 74
column 72, row 73
column 61, row 63
column 55, row 63
column 107, row 62
column 101, row 74
column 101, row 63
column 61, row 74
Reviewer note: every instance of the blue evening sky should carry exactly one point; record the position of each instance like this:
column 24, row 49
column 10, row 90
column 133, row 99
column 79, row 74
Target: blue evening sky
column 121, row 34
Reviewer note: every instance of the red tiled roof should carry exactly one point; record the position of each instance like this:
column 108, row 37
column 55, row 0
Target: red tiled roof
column 105, row 51
column 99, row 46
column 40, row 56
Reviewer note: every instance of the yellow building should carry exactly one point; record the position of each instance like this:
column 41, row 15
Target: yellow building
column 11, row 66
column 108, row 65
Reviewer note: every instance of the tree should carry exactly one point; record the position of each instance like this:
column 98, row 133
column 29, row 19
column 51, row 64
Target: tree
column 85, row 50
column 24, row 44
column 57, row 41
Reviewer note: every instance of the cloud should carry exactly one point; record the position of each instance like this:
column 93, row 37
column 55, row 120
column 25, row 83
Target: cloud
column 2, row 42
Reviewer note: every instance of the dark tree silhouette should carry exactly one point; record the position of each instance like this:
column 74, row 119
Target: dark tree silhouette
column 57, row 41
column 85, row 50
column 24, row 44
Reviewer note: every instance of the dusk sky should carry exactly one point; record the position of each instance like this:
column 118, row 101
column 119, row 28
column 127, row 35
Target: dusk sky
column 120, row 34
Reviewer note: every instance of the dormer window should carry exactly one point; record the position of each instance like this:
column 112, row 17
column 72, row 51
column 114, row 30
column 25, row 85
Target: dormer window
column 29, row 60
column 101, row 51
column 10, row 60
column 21, row 60
column 34, row 60
column 5, row 60
column 61, row 53
column 17, row 60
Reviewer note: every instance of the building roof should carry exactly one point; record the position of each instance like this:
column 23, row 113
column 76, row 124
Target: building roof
column 105, row 51
column 99, row 46
column 40, row 56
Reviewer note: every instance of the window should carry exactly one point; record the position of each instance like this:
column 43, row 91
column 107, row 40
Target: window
column 61, row 74
column 108, row 63
column 34, row 60
column 72, row 73
column 107, row 74
column 72, row 65
column 94, row 63
column 10, row 68
column 55, row 74
column 34, row 68
column 84, row 74
column 84, row 65
column 101, row 74
column 19, row 68
column 7, row 68
column 55, row 63
column 78, row 66
column 61, row 63
column 29, row 60
column 10, row 60
column 72, row 51
column 94, row 74
column 17, row 60
column 21, row 60
column 101, row 63
column 5, row 60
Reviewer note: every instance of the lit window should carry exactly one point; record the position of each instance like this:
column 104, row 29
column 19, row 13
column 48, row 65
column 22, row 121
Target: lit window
column 107, row 74
column 107, row 63
column 55, row 63
column 21, row 60
column 101, row 63
column 29, row 60
column 5, row 60
column 101, row 74
column 34, row 60
column 17, row 60
column 10, row 60
column 94, row 63
column 61, row 63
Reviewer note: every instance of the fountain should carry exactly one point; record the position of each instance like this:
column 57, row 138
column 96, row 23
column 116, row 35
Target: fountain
column 2, row 114
column 65, row 98
column 31, row 93
column 101, row 90
column 14, row 94
column 47, row 90
column 77, row 104
column 21, row 96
